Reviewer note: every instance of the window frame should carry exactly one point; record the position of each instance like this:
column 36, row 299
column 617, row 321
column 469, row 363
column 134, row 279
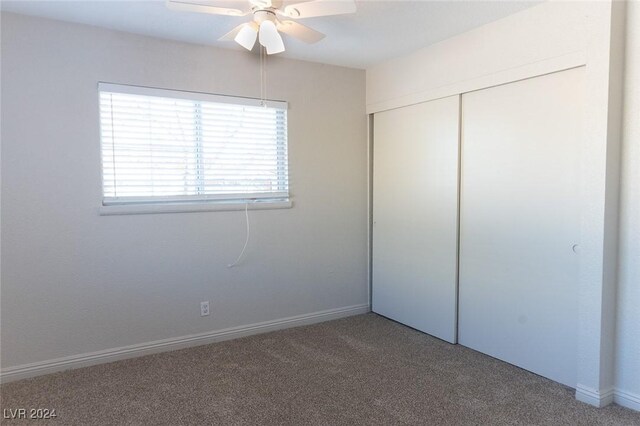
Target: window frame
column 177, row 204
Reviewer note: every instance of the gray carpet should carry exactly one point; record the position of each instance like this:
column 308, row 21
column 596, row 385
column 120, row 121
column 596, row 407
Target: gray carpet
column 359, row 370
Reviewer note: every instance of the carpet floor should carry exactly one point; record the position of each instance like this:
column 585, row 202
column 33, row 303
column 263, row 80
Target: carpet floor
column 362, row 370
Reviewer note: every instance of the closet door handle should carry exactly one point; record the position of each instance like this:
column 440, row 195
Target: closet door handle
column 576, row 248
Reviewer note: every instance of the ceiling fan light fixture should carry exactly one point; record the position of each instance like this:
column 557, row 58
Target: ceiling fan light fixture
column 265, row 25
column 270, row 38
column 246, row 37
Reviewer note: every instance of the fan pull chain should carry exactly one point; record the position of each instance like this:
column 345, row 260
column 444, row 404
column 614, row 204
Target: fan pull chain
column 263, row 76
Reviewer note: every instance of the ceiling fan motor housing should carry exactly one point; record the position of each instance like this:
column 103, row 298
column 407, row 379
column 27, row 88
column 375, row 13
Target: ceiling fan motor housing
column 262, row 15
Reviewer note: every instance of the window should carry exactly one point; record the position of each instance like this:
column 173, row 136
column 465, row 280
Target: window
column 165, row 146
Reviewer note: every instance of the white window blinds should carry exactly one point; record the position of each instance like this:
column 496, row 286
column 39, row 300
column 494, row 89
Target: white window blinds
column 171, row 146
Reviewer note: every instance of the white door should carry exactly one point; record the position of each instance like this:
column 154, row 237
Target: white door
column 519, row 223
column 415, row 214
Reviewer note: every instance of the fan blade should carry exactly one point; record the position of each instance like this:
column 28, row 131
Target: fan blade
column 262, row 4
column 194, row 6
column 247, row 35
column 300, row 32
column 320, row 8
column 270, row 38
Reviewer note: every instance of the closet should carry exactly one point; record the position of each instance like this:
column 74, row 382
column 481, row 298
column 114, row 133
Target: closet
column 476, row 220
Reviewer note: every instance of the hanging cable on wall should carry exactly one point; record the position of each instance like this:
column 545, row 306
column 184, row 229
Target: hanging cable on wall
column 246, row 241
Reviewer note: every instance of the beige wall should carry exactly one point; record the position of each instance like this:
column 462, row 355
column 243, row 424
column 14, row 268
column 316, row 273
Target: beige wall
column 628, row 330
column 550, row 36
column 75, row 282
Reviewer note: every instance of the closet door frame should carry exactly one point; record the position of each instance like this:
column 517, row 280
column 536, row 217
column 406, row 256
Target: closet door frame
column 601, row 51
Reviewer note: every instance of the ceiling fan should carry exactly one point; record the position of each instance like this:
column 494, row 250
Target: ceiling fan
column 270, row 18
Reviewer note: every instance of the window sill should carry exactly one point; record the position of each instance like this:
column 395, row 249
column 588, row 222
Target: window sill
column 128, row 209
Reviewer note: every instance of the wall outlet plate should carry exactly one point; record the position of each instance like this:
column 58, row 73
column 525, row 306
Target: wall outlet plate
column 204, row 308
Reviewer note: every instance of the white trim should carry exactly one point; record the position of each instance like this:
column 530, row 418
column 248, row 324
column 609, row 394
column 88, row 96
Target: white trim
column 627, row 399
column 109, row 355
column 125, row 209
column 510, row 75
column 595, row 397
column 205, row 198
column 191, row 96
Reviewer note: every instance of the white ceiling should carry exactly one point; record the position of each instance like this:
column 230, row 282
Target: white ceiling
column 380, row 30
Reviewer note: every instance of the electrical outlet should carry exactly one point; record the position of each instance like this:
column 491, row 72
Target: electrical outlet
column 204, row 308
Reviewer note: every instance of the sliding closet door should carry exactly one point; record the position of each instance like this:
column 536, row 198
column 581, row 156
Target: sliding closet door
column 520, row 219
column 415, row 211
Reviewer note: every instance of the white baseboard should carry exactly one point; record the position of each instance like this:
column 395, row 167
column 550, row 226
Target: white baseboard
column 603, row 398
column 627, row 399
column 595, row 397
column 115, row 354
